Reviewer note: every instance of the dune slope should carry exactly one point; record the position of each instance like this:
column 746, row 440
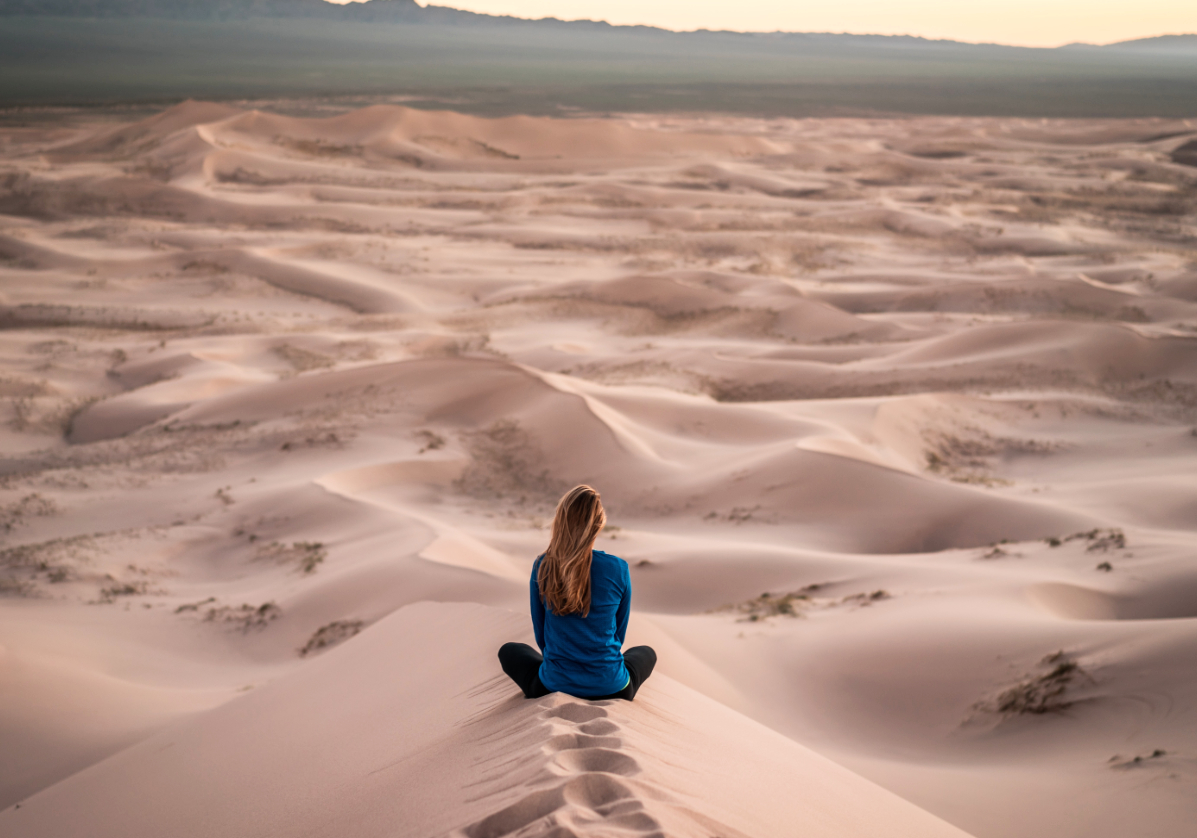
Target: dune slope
column 895, row 422
column 382, row 737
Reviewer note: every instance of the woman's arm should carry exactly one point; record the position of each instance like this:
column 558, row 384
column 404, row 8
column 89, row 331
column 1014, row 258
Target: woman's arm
column 537, row 607
column 625, row 606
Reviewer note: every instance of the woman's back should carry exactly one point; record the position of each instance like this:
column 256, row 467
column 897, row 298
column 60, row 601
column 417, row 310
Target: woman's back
column 582, row 654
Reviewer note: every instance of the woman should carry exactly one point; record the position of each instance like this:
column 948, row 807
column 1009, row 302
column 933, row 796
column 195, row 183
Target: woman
column 581, row 598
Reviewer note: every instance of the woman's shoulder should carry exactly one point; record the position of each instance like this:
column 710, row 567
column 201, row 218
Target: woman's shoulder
column 607, row 560
column 607, row 556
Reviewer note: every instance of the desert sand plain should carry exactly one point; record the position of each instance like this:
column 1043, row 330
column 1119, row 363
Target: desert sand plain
column 895, row 420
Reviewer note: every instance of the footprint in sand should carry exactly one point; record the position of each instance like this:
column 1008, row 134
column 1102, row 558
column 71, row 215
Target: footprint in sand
column 588, row 792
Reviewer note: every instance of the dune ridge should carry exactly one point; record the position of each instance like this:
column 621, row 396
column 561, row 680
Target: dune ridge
column 894, row 419
column 396, row 762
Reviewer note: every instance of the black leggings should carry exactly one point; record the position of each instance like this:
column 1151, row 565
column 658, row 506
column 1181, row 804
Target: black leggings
column 522, row 664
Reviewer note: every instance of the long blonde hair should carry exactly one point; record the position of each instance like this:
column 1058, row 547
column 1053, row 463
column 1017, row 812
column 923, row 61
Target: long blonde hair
column 564, row 574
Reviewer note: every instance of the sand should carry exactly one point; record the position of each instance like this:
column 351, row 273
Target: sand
column 895, row 421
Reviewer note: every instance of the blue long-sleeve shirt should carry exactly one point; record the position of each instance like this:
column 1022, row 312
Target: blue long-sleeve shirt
column 583, row 655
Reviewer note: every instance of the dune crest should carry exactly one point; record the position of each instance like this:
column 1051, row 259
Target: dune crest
column 672, row 762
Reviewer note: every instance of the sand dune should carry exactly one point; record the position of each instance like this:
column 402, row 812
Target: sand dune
column 894, row 420
column 458, row 751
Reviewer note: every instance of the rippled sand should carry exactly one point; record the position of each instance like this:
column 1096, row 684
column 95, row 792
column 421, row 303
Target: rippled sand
column 896, row 422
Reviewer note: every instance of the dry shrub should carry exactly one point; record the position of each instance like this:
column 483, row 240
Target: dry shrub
column 301, row 359
column 245, row 616
column 430, row 441
column 506, row 463
column 109, row 593
column 59, row 559
column 793, row 603
column 306, row 554
column 31, row 506
column 1099, row 540
column 1043, row 693
column 330, row 635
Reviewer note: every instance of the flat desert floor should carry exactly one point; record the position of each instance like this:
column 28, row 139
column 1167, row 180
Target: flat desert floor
column 895, row 421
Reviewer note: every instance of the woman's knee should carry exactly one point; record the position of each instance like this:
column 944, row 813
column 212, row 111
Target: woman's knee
column 644, row 655
column 640, row 661
column 519, row 660
column 513, row 657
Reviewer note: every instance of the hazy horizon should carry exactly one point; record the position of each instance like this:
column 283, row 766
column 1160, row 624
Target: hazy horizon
column 1023, row 23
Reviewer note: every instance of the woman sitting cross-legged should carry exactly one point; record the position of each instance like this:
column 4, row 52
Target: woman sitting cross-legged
column 581, row 598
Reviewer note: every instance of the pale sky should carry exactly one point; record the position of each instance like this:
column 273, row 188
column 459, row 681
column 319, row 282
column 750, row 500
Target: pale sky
column 1023, row 22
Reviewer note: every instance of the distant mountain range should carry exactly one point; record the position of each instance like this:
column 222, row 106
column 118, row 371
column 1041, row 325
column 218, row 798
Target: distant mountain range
column 1159, row 42
column 123, row 52
column 375, row 11
column 410, row 12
